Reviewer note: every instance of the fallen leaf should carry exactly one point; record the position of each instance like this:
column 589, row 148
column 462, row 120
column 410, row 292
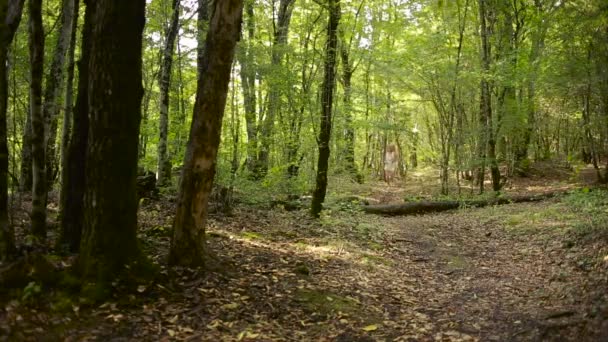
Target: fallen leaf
column 230, row 306
column 370, row 327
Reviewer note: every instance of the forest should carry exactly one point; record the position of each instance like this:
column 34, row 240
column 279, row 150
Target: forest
column 304, row 170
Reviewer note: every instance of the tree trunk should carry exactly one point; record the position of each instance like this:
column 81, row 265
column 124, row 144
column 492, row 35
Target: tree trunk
column 246, row 60
column 327, row 96
column 115, row 89
column 36, row 46
column 25, row 179
column 10, row 16
column 274, row 91
column 423, row 207
column 52, row 92
column 188, row 241
column 67, row 237
column 488, row 143
column 536, row 47
column 349, row 130
column 164, row 162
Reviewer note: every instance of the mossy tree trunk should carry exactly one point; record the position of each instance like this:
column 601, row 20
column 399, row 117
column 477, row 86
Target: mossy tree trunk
column 36, row 46
column 327, row 97
column 115, row 93
column 10, row 16
column 188, row 241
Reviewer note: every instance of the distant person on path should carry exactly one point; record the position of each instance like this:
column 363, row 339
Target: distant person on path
column 391, row 159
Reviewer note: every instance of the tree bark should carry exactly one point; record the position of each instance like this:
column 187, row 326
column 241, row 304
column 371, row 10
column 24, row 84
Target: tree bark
column 274, row 91
column 25, row 178
column 52, row 92
column 424, row 207
column 69, row 235
column 10, row 16
column 246, row 60
column 164, row 163
column 489, row 140
column 115, row 94
column 327, row 96
column 188, row 241
column 39, row 186
column 349, row 130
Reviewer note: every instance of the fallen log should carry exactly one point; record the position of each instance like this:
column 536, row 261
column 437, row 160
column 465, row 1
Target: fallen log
column 423, row 207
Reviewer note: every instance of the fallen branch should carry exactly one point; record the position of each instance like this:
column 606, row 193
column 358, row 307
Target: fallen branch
column 423, row 207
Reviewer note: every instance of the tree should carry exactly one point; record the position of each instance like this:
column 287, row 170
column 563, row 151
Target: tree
column 281, row 31
column 245, row 58
column 164, row 164
column 188, row 240
column 39, row 188
column 488, row 142
column 10, row 16
column 115, row 92
column 70, row 231
column 327, row 98
column 54, row 81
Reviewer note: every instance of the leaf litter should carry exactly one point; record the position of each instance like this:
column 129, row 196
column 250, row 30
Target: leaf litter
column 490, row 274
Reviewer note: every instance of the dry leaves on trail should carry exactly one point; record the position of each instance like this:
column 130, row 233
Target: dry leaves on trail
column 476, row 274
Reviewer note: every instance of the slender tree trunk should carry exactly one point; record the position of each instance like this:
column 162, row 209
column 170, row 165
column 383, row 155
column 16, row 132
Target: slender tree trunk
column 246, row 60
column 53, row 89
column 537, row 45
column 39, row 188
column 72, row 214
column 188, row 241
column 235, row 132
column 274, row 92
column 10, row 16
column 349, row 130
column 115, row 88
column 25, row 179
column 70, row 239
column 181, row 101
column 164, row 162
column 327, row 97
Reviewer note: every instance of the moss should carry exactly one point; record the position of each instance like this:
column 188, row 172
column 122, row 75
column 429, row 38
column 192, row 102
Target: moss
column 93, row 293
column 456, row 262
column 62, row 302
column 251, row 235
column 325, row 302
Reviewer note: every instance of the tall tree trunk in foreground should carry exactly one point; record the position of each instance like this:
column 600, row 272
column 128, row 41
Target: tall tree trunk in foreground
column 69, row 234
column 188, row 241
column 36, row 45
column 115, row 89
column 10, row 16
column 274, row 85
column 164, row 163
column 327, row 97
column 54, row 81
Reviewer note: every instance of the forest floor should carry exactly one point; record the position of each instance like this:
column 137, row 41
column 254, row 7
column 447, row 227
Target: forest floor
column 518, row 272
